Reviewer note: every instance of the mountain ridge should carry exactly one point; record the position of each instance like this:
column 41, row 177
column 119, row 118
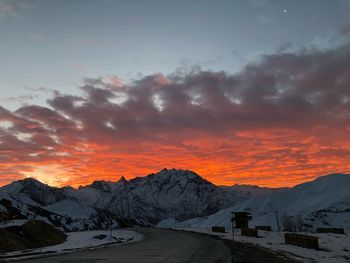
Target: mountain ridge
column 122, row 178
column 143, row 200
column 169, row 193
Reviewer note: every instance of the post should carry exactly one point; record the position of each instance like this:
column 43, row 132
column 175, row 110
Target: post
column 233, row 259
column 277, row 222
column 233, row 228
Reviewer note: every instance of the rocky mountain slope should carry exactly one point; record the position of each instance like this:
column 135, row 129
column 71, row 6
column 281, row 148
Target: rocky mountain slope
column 144, row 200
column 168, row 193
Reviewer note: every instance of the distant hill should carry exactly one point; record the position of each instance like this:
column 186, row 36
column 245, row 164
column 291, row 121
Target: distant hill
column 324, row 202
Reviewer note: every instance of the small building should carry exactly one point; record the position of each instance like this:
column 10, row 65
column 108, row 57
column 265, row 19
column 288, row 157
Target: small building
column 241, row 219
column 334, row 230
column 301, row 240
column 264, row 228
column 218, row 229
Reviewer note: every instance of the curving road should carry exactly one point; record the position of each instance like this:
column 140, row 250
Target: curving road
column 159, row 246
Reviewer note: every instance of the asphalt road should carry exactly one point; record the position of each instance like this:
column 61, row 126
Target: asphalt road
column 159, row 246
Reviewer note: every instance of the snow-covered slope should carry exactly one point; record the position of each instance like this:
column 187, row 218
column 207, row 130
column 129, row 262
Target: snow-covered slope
column 322, row 202
column 253, row 190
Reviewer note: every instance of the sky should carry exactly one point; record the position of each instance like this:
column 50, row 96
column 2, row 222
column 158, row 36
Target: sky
column 248, row 92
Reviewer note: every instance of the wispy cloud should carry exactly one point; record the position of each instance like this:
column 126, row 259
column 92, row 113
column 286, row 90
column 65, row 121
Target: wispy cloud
column 85, row 42
column 24, row 4
column 37, row 37
column 11, row 8
column 6, row 9
column 90, row 42
column 21, row 99
column 284, row 46
column 259, row 3
column 43, row 89
column 77, row 67
column 264, row 19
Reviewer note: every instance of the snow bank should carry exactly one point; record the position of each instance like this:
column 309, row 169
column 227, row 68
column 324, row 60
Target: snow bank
column 77, row 241
column 86, row 239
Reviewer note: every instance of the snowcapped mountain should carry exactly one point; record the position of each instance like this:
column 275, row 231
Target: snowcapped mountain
column 33, row 192
column 322, row 202
column 168, row 193
column 143, row 200
column 31, row 199
column 177, row 194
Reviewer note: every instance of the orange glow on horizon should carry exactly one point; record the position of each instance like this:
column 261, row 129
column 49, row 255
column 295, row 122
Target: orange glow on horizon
column 269, row 158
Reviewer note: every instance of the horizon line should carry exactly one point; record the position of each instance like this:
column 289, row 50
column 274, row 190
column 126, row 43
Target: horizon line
column 135, row 177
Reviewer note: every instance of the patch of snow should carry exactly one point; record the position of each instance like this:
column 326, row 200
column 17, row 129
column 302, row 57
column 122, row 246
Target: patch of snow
column 86, row 239
column 17, row 222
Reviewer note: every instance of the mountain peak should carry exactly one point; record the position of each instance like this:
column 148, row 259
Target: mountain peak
column 122, row 180
column 31, row 180
column 27, row 183
column 178, row 172
column 179, row 175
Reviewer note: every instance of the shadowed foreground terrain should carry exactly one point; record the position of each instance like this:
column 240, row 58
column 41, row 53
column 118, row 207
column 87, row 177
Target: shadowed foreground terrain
column 33, row 234
column 161, row 246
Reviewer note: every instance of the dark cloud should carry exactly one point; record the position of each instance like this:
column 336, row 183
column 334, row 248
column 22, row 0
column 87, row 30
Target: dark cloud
column 21, row 99
column 6, row 9
column 344, row 30
column 43, row 89
column 306, row 92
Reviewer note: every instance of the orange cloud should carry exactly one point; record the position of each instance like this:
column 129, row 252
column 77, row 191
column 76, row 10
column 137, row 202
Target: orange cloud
column 271, row 158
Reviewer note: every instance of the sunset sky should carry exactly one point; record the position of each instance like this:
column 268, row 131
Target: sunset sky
column 248, row 92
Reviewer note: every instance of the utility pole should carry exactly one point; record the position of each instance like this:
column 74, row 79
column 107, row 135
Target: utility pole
column 277, row 222
column 111, row 226
column 110, row 230
column 233, row 224
column 233, row 227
